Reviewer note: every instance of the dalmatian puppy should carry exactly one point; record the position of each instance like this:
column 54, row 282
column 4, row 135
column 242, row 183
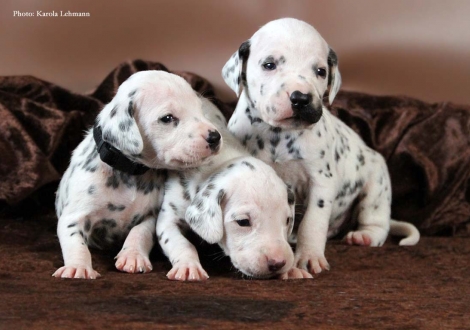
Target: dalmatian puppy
column 282, row 75
column 113, row 188
column 235, row 200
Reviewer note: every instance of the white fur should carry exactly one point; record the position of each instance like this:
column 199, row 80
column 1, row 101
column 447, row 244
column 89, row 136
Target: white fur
column 233, row 186
column 99, row 206
column 326, row 162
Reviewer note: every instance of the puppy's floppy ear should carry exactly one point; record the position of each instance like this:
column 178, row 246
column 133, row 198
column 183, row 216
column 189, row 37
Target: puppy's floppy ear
column 204, row 215
column 334, row 77
column 234, row 71
column 119, row 126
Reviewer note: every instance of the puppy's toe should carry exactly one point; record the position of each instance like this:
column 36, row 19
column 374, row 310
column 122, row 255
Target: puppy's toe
column 187, row 271
column 358, row 238
column 132, row 261
column 314, row 264
column 77, row 272
column 295, row 273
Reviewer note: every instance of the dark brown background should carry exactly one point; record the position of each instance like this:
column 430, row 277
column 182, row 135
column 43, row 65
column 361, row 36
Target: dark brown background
column 418, row 48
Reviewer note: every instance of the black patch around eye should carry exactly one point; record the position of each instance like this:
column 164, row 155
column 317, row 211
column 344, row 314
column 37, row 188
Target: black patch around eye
column 244, row 223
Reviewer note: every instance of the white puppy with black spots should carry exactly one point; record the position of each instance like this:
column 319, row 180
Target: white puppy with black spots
column 155, row 121
column 281, row 75
column 235, row 200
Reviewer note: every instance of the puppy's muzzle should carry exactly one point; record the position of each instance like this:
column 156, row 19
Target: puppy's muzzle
column 213, row 139
column 303, row 108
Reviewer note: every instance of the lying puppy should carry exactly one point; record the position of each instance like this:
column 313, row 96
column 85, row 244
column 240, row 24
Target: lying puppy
column 282, row 73
column 235, row 200
column 112, row 188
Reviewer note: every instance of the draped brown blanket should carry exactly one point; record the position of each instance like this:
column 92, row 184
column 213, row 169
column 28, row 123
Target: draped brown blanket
column 421, row 287
column 427, row 146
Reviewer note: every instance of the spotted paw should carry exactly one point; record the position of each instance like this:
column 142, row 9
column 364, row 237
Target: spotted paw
column 187, row 271
column 132, row 261
column 312, row 263
column 295, row 273
column 76, row 271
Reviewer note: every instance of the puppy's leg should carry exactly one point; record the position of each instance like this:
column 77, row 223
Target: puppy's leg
column 373, row 209
column 182, row 254
column 134, row 255
column 77, row 257
column 313, row 230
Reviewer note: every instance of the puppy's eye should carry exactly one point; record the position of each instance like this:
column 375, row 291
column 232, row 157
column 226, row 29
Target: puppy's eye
column 244, row 223
column 288, row 221
column 321, row 72
column 269, row 66
column 167, row 119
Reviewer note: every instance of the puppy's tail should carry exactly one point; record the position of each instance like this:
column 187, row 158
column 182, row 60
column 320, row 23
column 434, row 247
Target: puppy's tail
column 401, row 228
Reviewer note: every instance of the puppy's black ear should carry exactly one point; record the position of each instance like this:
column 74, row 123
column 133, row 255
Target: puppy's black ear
column 234, row 71
column 118, row 124
column 334, row 77
column 204, row 215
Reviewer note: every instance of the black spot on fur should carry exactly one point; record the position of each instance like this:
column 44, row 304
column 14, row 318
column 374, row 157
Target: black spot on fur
column 130, row 109
column 113, row 112
column 260, row 142
column 87, row 226
column 117, row 208
column 220, row 195
column 248, row 164
column 321, row 203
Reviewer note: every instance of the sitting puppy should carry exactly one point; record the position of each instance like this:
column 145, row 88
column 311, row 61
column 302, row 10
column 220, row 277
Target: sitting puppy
column 282, row 73
column 235, row 200
column 112, row 188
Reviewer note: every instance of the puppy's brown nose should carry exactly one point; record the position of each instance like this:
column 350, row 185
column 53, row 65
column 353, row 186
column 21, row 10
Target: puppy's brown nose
column 275, row 264
column 213, row 139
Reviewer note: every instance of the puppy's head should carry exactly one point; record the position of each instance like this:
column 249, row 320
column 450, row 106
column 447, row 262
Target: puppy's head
column 156, row 119
column 249, row 211
column 285, row 70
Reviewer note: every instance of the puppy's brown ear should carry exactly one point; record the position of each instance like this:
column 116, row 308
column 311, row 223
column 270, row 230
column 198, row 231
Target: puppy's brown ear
column 334, row 77
column 234, row 71
column 204, row 215
column 118, row 124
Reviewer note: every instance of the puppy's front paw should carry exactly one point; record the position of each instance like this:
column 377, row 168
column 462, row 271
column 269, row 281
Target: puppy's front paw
column 311, row 262
column 76, row 271
column 132, row 261
column 187, row 271
column 295, row 273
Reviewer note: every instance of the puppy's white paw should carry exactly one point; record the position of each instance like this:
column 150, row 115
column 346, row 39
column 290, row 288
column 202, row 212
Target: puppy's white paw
column 311, row 262
column 76, row 271
column 132, row 261
column 187, row 271
column 295, row 273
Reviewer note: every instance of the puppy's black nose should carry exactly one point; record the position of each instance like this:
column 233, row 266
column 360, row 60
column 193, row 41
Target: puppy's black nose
column 300, row 100
column 213, row 139
column 274, row 265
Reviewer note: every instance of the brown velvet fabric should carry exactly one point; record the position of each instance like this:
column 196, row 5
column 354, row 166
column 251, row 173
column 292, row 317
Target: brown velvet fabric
column 427, row 146
column 422, row 287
